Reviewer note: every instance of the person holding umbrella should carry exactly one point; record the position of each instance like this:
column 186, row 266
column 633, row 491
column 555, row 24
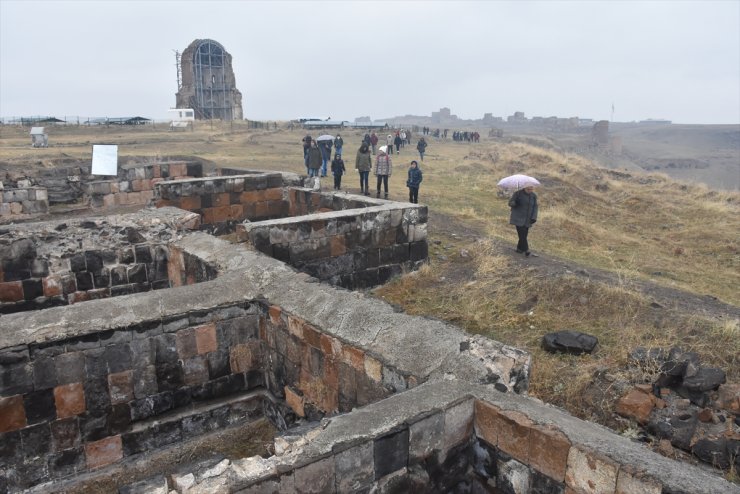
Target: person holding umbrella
column 523, row 204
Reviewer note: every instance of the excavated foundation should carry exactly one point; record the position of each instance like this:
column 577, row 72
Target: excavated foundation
column 221, row 336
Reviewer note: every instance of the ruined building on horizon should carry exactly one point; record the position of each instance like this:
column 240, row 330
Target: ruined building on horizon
column 206, row 82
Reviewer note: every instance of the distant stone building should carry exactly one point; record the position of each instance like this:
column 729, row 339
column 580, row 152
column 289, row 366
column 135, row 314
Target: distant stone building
column 208, row 85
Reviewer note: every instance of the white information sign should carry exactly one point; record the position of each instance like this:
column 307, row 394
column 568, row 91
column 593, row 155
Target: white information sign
column 105, row 159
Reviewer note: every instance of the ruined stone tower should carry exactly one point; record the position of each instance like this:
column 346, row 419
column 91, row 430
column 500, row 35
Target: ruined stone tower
column 208, row 85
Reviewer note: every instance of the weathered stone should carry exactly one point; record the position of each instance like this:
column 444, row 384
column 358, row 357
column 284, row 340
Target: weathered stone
column 12, row 413
column 572, row 342
column 426, row 436
column 391, row 452
column 69, row 400
column 154, row 485
column 548, row 451
column 637, row 405
column 632, row 481
column 729, row 398
column 705, row 379
column 39, row 406
column 315, row 478
column 590, row 472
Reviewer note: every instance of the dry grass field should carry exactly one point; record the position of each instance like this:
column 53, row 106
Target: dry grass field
column 634, row 259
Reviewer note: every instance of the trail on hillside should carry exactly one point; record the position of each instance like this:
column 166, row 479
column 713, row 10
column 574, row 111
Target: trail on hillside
column 662, row 297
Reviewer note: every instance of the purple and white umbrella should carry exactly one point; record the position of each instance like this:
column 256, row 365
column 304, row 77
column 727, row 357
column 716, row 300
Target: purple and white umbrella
column 517, row 182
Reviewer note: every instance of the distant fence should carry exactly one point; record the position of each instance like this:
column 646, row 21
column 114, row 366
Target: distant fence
column 78, row 121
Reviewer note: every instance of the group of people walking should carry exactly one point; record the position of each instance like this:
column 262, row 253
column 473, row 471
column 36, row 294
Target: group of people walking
column 316, row 153
column 523, row 202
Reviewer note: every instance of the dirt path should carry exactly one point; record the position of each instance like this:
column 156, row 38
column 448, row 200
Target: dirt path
column 663, row 298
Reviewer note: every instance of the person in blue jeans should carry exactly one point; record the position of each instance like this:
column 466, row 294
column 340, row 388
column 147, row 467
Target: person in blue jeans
column 414, row 181
column 325, row 147
column 337, row 169
column 314, row 160
column 338, row 144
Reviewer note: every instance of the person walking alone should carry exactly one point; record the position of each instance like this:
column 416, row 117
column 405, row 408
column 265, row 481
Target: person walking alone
column 337, row 169
column 383, row 169
column 413, row 182
column 421, row 146
column 523, row 204
column 363, row 164
column 338, row 144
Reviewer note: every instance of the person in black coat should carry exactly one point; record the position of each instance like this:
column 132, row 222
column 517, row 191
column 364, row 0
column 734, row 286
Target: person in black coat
column 337, row 169
column 414, row 181
column 523, row 206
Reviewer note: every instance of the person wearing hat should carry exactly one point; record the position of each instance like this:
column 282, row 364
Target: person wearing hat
column 363, row 164
column 413, row 182
column 383, row 169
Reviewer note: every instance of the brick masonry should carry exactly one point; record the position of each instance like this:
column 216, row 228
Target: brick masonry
column 23, row 202
column 135, row 185
column 346, row 240
column 224, row 201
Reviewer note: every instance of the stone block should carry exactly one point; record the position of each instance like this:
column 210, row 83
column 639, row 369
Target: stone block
column 11, row 291
column 632, row 481
column 589, row 472
column 486, row 422
column 69, row 400
column 103, row 452
column 186, row 343
column 12, row 413
column 65, row 433
column 426, row 436
column 548, row 451
column 35, row 440
column 144, row 381
column 293, row 400
column 205, row 338
column 513, row 434
column 373, row 368
column 195, row 370
column 70, row 367
column 316, row 478
column 118, row 356
column 354, row 468
column 16, row 379
column 120, row 386
column 52, row 286
column 312, row 336
column 66, row 462
column 391, row 452
column 39, row 406
column 458, row 423
column 513, row 477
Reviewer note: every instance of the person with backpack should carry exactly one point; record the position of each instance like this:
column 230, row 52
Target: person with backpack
column 414, row 181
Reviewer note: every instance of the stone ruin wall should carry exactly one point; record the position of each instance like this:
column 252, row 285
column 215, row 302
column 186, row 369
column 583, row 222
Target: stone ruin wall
column 93, row 384
column 49, row 264
column 422, row 405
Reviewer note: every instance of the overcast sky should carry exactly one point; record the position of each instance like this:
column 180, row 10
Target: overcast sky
column 678, row 60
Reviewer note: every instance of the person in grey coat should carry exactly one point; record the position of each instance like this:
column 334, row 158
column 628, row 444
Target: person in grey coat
column 523, row 204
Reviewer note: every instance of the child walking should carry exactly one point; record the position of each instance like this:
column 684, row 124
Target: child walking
column 413, row 182
column 337, row 169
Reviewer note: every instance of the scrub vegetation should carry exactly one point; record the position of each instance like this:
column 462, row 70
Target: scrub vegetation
column 633, row 259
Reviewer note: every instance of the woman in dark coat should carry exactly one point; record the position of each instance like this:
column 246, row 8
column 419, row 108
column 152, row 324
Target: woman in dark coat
column 337, row 169
column 523, row 206
column 363, row 164
column 314, row 160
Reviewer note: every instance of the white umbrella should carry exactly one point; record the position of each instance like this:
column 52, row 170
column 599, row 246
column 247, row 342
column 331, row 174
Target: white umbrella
column 325, row 137
column 516, row 182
